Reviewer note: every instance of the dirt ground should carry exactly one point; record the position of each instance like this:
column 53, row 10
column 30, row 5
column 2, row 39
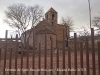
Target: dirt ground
column 48, row 64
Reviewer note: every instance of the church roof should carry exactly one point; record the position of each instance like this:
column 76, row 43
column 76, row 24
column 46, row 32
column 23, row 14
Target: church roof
column 44, row 25
column 51, row 10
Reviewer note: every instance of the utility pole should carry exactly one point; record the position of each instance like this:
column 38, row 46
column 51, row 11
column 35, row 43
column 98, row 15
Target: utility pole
column 89, row 12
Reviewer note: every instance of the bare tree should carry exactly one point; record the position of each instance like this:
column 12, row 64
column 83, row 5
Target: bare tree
column 96, row 22
column 20, row 17
column 68, row 21
column 16, row 17
column 83, row 33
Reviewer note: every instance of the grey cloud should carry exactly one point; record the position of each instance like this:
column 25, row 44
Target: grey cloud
column 78, row 9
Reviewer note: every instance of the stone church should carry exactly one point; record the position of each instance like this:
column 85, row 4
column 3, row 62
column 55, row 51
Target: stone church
column 50, row 26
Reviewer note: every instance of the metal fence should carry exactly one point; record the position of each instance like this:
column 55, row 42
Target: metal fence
column 69, row 62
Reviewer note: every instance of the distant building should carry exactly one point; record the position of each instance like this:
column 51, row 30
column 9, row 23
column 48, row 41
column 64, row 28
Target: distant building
column 50, row 26
column 10, row 44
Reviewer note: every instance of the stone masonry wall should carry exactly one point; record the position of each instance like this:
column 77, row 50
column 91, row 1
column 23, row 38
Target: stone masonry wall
column 40, row 38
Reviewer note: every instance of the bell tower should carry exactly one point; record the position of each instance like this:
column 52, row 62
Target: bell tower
column 51, row 17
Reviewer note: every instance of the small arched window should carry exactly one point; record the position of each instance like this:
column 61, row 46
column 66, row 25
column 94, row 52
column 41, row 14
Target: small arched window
column 52, row 16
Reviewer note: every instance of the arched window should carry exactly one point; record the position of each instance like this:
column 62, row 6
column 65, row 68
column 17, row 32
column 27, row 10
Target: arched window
column 52, row 16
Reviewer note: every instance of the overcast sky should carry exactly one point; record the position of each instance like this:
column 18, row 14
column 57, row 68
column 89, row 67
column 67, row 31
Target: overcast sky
column 77, row 9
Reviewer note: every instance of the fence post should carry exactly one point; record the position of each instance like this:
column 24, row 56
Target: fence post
column 27, row 73
column 10, row 58
column 0, row 56
column 75, row 52
column 51, row 55
column 16, row 54
column 45, row 53
column 57, row 59
column 22, row 58
column 4, row 72
column 81, row 57
column 93, row 51
column 99, row 57
column 69, row 61
column 87, row 57
column 39, row 58
column 33, row 56
column 63, row 51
